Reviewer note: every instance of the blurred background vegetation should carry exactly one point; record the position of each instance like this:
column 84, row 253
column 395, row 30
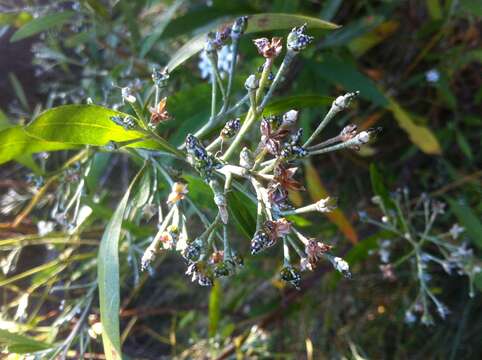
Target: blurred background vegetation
column 417, row 65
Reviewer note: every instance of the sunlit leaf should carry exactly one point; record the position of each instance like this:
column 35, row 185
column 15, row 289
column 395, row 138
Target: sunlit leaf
column 256, row 23
column 420, row 135
column 362, row 44
column 40, row 24
column 15, row 143
column 88, row 125
column 317, row 191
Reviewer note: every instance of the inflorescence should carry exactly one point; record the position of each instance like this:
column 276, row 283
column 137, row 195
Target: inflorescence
column 227, row 163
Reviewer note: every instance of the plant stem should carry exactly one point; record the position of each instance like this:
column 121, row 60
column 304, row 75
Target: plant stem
column 232, row 68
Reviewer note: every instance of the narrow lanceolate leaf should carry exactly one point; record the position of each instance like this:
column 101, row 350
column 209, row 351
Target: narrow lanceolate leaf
column 16, row 143
column 214, row 308
column 20, row 344
column 256, row 23
column 89, row 125
column 420, row 135
column 40, row 24
column 317, row 191
column 108, row 279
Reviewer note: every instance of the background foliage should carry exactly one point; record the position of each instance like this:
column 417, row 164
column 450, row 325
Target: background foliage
column 417, row 67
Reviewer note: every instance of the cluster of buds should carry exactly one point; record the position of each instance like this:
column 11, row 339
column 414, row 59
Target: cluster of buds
column 291, row 275
column 127, row 122
column 160, row 77
column 269, row 234
column 230, row 129
column 293, row 148
column 204, row 162
column 298, row 40
column 201, row 273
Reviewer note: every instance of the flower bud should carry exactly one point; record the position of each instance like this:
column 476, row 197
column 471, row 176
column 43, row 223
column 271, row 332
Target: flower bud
column 292, row 275
column 246, row 158
column 251, row 83
column 221, row 269
column 193, row 250
column 342, row 266
column 259, row 242
column 326, row 205
column 239, row 27
column 348, row 132
column 160, row 77
column 290, row 118
column 297, row 39
column 230, row 128
column 127, row 122
column 128, row 95
column 364, row 137
column 343, row 101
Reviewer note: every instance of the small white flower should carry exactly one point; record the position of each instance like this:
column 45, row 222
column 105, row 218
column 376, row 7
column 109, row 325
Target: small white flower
column 225, row 56
column 127, row 95
column 456, row 230
column 410, row 318
column 341, row 266
column 45, row 227
column 432, row 76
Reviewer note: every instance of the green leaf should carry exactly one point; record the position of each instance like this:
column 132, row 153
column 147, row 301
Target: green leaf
column 379, row 188
column 351, row 31
column 469, row 221
column 464, row 145
column 214, row 307
column 243, row 211
column 15, row 143
column 40, row 24
column 15, row 19
column 20, row 344
column 362, row 44
column 434, row 9
column 296, row 102
column 198, row 190
column 108, row 278
column 159, row 27
column 418, row 134
column 18, row 89
column 256, row 23
column 473, row 7
column 89, row 125
column 339, row 71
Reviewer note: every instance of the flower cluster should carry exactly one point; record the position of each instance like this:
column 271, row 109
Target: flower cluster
column 267, row 168
column 413, row 226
